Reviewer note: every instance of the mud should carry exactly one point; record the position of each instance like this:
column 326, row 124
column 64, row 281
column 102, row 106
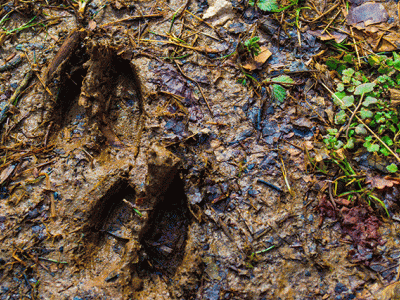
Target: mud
column 130, row 176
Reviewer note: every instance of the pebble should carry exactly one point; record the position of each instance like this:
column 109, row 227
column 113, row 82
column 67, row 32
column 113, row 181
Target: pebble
column 340, row 288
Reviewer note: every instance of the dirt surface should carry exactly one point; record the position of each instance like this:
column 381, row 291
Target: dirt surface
column 128, row 175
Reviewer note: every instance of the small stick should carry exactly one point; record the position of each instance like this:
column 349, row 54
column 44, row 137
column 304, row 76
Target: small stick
column 330, row 22
column 355, row 46
column 11, row 64
column 133, row 18
column 270, row 185
column 352, row 116
column 325, row 13
column 47, row 133
column 13, row 99
column 208, row 24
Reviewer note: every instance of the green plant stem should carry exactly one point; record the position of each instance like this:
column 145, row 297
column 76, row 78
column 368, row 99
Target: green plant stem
column 265, row 250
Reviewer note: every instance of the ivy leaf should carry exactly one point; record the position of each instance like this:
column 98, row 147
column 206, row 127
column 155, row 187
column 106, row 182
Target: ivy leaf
column 364, row 88
column 340, row 87
column 384, row 151
column 355, row 82
column 278, row 92
column 371, row 147
column 348, row 72
column 396, row 59
column 387, row 140
column 337, row 98
column 347, row 101
column 349, row 144
column 369, row 100
column 360, row 129
column 365, row 113
column 373, row 60
column 340, row 117
column 348, row 58
column 332, row 63
column 267, row 5
column 392, row 168
column 283, row 79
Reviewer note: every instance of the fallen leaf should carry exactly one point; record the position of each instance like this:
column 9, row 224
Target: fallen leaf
column 6, row 173
column 263, row 56
column 367, row 14
column 342, row 201
column 92, row 25
column 258, row 60
column 380, row 182
column 338, row 37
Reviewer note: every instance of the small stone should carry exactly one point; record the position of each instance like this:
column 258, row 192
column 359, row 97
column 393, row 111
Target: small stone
column 340, row 288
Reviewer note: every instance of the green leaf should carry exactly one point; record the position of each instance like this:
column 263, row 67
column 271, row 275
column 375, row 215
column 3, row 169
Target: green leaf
column 267, row 5
column 332, row 64
column 340, row 87
column 251, row 2
column 346, row 79
column 283, row 79
column 384, row 69
column 365, row 113
column 396, row 59
column 369, row 100
column 347, row 101
column 348, row 58
column 337, row 97
column 251, row 41
column 371, row 147
column 364, row 88
column 340, row 117
column 387, row 140
column 384, row 151
column 332, row 131
column 278, row 92
column 355, row 82
column 392, row 168
column 360, row 129
column 373, row 60
column 348, row 72
column 349, row 144
column 338, row 145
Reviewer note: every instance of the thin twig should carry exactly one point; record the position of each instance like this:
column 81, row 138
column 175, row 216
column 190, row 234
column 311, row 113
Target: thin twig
column 133, row 18
column 352, row 115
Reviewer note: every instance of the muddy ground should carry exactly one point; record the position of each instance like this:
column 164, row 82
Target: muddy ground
column 128, row 175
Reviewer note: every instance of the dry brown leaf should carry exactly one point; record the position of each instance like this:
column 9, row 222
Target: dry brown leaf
column 367, row 14
column 381, row 183
column 338, row 37
column 6, row 173
column 258, row 60
column 263, row 56
column 92, row 25
column 342, row 201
